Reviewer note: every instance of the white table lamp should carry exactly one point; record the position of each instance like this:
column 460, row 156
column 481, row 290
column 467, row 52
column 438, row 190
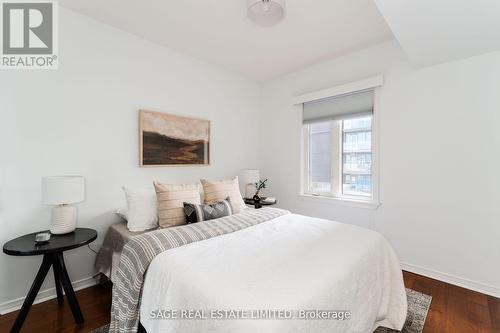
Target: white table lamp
column 251, row 176
column 62, row 192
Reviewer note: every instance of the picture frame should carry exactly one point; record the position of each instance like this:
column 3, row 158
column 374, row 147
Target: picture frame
column 173, row 140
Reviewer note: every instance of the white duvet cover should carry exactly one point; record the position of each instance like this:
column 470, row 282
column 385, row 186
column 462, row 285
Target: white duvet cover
column 292, row 263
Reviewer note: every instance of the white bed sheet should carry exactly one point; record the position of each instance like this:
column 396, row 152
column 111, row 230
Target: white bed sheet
column 291, row 263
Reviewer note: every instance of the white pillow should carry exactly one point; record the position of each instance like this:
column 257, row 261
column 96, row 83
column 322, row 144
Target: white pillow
column 142, row 210
column 122, row 212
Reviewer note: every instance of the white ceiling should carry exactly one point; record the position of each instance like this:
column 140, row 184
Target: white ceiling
column 218, row 31
column 437, row 31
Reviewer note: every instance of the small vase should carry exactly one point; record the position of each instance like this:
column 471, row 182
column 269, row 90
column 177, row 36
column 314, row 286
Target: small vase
column 256, row 200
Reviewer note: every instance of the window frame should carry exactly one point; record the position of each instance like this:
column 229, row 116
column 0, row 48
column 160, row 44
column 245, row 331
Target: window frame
column 336, row 194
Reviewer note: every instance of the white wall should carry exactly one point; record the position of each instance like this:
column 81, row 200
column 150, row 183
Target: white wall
column 439, row 159
column 439, row 142
column 82, row 119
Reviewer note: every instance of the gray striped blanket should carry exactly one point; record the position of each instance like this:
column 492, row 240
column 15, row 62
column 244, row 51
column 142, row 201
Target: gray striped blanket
column 142, row 249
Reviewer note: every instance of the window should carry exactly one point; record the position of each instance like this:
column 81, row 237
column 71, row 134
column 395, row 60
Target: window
column 338, row 147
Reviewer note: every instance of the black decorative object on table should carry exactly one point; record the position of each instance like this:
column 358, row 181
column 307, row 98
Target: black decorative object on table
column 256, row 198
column 52, row 256
column 256, row 201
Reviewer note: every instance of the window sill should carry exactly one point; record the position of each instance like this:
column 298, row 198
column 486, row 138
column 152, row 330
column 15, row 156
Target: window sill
column 364, row 204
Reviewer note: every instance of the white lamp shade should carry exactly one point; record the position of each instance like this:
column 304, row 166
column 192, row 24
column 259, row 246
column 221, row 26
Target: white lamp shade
column 61, row 190
column 251, row 176
column 266, row 13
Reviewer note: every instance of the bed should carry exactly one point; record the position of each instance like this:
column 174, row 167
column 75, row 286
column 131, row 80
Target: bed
column 108, row 257
column 234, row 273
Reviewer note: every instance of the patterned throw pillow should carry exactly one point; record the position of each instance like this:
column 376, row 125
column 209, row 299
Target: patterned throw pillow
column 197, row 213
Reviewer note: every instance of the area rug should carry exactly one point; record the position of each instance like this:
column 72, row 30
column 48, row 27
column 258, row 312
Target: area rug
column 418, row 306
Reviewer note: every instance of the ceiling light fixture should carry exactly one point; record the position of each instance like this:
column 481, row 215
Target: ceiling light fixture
column 266, row 13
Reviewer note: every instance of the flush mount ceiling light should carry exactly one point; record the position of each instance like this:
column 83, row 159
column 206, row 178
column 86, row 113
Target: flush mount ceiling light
column 266, row 13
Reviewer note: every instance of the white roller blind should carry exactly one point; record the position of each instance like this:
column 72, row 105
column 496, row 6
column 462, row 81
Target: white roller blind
column 339, row 107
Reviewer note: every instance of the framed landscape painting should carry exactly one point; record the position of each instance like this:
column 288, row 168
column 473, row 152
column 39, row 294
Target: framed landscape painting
column 167, row 139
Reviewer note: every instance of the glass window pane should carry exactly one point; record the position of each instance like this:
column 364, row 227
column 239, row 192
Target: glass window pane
column 354, row 184
column 320, row 157
column 357, row 156
column 358, row 123
column 357, row 141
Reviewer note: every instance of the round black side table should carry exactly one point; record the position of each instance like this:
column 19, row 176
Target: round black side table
column 250, row 201
column 52, row 256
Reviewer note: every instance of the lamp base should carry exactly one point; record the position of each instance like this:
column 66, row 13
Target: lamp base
column 249, row 190
column 63, row 220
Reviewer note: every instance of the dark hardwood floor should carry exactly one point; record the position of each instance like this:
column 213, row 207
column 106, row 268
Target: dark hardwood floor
column 453, row 310
column 49, row 317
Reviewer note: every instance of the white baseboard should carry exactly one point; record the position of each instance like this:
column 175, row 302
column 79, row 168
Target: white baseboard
column 453, row 279
column 44, row 295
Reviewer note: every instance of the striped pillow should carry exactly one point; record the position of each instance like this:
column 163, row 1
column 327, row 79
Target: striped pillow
column 204, row 212
column 219, row 190
column 171, row 200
